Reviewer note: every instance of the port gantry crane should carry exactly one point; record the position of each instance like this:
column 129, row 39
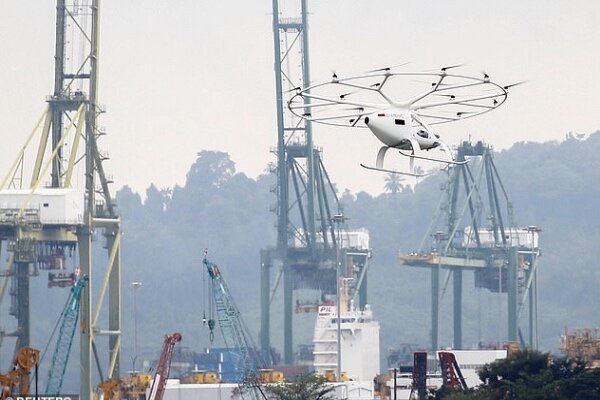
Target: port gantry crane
column 235, row 334
column 60, row 358
column 45, row 224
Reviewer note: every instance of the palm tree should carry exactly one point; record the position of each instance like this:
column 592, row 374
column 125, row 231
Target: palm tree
column 304, row 387
column 393, row 183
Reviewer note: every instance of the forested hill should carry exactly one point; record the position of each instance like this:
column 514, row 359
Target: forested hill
column 554, row 185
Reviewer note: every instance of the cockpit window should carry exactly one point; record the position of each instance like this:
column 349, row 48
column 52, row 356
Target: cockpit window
column 399, row 121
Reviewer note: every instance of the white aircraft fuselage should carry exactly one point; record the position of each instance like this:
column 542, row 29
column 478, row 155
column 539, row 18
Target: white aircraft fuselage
column 398, row 128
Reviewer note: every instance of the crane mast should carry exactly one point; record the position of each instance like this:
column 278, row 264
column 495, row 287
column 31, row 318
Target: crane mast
column 234, row 331
column 164, row 365
column 451, row 374
column 60, row 358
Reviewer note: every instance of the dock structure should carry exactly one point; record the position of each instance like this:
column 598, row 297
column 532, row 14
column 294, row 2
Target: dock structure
column 478, row 234
column 55, row 200
column 582, row 343
column 310, row 226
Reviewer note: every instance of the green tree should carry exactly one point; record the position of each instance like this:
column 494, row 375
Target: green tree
column 304, row 387
column 211, row 169
column 448, row 393
column 529, row 374
column 157, row 201
column 393, row 183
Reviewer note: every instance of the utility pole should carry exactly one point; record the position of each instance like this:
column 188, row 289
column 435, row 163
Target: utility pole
column 135, row 286
column 338, row 219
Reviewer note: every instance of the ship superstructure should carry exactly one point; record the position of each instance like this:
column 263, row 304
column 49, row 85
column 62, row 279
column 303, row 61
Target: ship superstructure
column 359, row 340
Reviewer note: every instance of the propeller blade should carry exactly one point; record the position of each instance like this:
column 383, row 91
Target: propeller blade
column 355, row 121
column 444, row 69
column 451, row 96
column 387, row 69
column 295, row 90
column 431, row 83
column 343, row 95
column 514, row 84
column 359, row 109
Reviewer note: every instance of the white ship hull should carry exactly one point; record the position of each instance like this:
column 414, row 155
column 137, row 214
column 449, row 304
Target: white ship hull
column 359, row 343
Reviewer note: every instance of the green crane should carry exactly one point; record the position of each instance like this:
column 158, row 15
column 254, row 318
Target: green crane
column 60, row 357
column 235, row 334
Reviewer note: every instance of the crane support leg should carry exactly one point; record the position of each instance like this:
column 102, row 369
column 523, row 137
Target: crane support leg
column 288, row 287
column 114, row 301
column 435, row 306
column 265, row 309
column 457, row 297
column 512, row 294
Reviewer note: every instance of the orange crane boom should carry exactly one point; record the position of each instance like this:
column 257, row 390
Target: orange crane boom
column 451, row 374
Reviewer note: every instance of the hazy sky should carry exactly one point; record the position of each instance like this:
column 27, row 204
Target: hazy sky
column 181, row 76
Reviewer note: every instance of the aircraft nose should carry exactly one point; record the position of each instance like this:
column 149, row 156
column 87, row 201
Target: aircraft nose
column 366, row 120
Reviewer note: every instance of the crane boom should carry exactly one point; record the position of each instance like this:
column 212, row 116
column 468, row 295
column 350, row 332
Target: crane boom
column 234, row 330
column 62, row 350
column 451, row 373
column 164, row 365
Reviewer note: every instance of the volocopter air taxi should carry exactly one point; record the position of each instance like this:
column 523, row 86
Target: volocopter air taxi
column 432, row 98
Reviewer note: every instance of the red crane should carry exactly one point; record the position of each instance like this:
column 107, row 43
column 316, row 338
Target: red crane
column 451, row 373
column 164, row 365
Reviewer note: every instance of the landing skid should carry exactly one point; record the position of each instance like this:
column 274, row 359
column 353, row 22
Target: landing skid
column 413, row 156
column 393, row 171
